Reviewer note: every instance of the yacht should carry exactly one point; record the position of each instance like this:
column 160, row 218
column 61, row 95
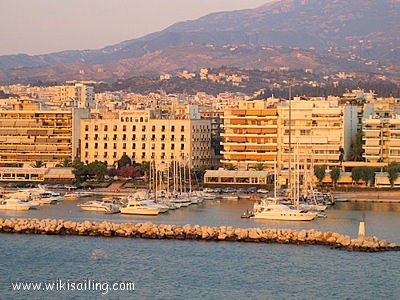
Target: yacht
column 276, row 211
column 99, row 206
column 15, row 204
column 139, row 208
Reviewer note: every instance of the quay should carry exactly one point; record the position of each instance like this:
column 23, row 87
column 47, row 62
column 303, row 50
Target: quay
column 149, row 230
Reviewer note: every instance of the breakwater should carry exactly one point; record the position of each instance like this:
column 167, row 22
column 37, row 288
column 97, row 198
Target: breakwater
column 187, row 232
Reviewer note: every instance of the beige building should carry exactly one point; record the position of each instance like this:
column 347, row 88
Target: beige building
column 146, row 135
column 381, row 139
column 250, row 138
column 29, row 134
column 317, row 131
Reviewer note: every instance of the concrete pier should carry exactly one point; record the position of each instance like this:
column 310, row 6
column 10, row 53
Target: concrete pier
column 223, row 233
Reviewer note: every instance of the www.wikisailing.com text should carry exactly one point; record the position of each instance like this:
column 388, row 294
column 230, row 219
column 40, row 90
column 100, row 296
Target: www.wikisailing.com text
column 104, row 287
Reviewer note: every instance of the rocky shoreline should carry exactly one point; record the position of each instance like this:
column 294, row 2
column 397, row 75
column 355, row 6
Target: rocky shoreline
column 223, row 233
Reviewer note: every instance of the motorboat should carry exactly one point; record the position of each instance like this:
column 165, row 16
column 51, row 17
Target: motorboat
column 99, row 206
column 275, row 211
column 139, row 208
column 15, row 204
column 71, row 196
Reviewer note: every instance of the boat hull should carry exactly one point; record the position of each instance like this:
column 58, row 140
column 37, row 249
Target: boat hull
column 140, row 211
column 285, row 216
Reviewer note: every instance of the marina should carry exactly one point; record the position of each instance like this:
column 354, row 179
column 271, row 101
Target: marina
column 152, row 263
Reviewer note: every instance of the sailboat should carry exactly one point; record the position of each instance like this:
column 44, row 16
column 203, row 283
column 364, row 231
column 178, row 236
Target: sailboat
column 270, row 208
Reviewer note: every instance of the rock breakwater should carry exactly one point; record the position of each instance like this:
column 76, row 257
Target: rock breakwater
column 187, row 232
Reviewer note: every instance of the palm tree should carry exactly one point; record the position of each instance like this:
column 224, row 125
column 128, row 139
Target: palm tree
column 38, row 164
column 231, row 167
column 259, row 167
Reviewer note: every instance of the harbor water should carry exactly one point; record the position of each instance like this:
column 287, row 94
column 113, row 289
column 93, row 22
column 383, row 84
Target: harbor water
column 172, row 269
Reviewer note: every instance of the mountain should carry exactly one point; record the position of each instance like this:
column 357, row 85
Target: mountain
column 327, row 35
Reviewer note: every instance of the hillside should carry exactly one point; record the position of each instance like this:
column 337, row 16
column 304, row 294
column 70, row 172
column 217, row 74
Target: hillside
column 325, row 35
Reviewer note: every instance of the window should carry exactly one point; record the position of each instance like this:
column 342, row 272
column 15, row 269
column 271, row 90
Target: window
column 182, row 128
column 86, row 154
column 143, row 128
column 182, row 138
column 86, row 137
column 105, row 137
column 153, row 128
column 134, row 137
column 124, row 137
column 163, row 128
column 115, row 146
column 143, row 155
column 143, row 146
column 182, row 146
column 173, row 137
column 162, row 146
column 96, row 137
column 133, row 146
column 114, row 137
column 172, row 146
column 86, row 127
column 115, row 128
column 153, row 137
column 163, row 137
column 96, row 127
column 115, row 155
column 124, row 128
column 105, row 127
column 173, row 128
column 105, row 155
column 86, row 145
column 134, row 128
column 124, row 146
column 105, row 145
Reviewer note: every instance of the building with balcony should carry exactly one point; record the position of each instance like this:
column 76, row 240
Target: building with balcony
column 250, row 137
column 146, row 135
column 314, row 129
column 381, row 139
column 29, row 134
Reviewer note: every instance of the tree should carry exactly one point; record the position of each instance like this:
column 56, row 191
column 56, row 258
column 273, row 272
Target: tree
column 128, row 172
column 259, row 167
column 124, row 161
column 65, row 164
column 356, row 174
column 335, row 174
column 319, row 172
column 97, row 169
column 356, row 151
column 231, row 167
column 80, row 170
column 393, row 172
column 38, row 164
column 216, row 143
column 367, row 174
column 198, row 174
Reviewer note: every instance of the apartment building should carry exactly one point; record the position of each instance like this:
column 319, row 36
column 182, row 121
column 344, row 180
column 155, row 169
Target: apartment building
column 78, row 95
column 314, row 130
column 146, row 135
column 250, row 138
column 29, row 134
column 381, row 139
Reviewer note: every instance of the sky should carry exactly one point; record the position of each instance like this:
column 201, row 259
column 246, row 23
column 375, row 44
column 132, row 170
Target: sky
column 44, row 26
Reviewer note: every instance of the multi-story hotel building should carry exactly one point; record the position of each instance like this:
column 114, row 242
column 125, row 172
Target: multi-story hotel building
column 256, row 134
column 316, row 132
column 29, row 134
column 381, row 139
column 250, row 138
column 146, row 135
